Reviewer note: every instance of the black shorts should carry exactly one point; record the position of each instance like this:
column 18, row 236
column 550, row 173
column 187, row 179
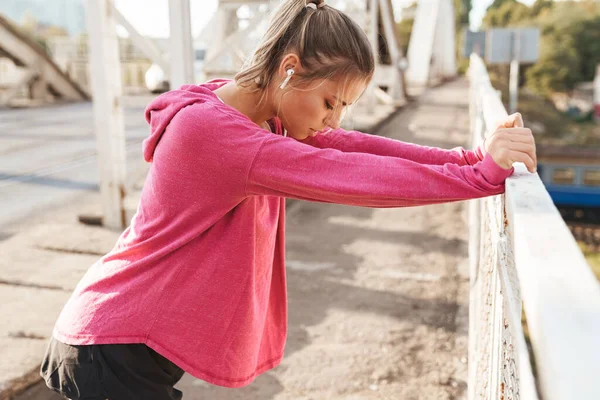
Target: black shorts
column 109, row 371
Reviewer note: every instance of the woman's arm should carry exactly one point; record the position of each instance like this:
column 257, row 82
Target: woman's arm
column 358, row 142
column 285, row 167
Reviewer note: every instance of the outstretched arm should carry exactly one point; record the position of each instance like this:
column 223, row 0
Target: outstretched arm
column 511, row 142
column 284, row 167
column 359, row 142
column 287, row 168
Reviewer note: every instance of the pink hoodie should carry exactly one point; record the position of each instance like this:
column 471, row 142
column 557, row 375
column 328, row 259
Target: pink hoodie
column 199, row 275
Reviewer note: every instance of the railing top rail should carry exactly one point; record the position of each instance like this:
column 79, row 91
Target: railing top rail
column 560, row 294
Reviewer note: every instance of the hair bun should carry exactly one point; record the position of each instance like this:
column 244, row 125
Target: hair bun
column 315, row 3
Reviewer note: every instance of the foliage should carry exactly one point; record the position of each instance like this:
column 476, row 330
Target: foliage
column 404, row 30
column 404, row 27
column 558, row 67
column 569, row 44
column 499, row 3
column 462, row 8
column 462, row 63
column 508, row 13
column 540, row 7
column 587, row 42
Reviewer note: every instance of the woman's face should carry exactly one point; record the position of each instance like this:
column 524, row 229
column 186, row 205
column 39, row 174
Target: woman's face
column 315, row 107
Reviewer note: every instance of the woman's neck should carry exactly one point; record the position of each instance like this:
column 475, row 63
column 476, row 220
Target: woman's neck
column 245, row 102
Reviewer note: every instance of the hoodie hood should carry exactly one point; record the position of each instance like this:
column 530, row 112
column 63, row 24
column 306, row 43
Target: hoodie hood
column 163, row 108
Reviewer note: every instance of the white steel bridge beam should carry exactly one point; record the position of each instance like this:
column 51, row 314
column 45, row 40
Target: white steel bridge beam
column 105, row 79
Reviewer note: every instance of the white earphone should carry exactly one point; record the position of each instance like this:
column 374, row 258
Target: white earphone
column 290, row 72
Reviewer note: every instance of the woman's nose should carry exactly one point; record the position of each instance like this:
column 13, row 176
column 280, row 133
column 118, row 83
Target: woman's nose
column 333, row 121
column 334, row 125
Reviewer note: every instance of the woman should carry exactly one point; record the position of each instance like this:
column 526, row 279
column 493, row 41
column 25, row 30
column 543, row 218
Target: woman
column 197, row 281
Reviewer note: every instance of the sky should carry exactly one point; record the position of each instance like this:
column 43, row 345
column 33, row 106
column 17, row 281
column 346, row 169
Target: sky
column 153, row 21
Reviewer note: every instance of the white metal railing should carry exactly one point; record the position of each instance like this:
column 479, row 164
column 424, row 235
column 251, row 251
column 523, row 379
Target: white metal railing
column 72, row 57
column 523, row 256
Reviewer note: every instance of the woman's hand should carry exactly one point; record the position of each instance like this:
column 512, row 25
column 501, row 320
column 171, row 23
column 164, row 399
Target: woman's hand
column 511, row 142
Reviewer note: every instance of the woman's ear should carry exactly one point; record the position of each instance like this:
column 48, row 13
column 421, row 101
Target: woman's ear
column 289, row 61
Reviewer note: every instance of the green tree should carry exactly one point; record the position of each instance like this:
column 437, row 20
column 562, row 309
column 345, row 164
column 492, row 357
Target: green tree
column 540, row 7
column 499, row 3
column 462, row 8
column 405, row 26
column 508, row 13
column 569, row 49
column 557, row 69
column 569, row 43
column 587, row 43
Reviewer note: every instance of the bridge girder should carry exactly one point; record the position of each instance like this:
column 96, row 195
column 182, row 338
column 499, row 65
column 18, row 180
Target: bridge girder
column 233, row 40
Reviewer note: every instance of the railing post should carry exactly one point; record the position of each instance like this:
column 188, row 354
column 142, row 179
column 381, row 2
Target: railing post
column 182, row 49
column 474, row 245
column 105, row 77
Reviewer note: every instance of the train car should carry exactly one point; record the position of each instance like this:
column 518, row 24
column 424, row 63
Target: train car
column 571, row 175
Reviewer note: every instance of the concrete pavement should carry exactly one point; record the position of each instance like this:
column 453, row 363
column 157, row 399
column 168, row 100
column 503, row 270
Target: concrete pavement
column 48, row 156
column 378, row 298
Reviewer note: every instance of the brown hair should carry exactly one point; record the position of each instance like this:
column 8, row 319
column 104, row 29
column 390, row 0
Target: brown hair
column 329, row 44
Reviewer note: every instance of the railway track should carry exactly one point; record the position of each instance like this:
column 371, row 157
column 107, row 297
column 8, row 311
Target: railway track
column 584, row 225
column 586, row 233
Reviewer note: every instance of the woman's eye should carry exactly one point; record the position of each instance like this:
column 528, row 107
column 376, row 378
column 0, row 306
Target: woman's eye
column 329, row 106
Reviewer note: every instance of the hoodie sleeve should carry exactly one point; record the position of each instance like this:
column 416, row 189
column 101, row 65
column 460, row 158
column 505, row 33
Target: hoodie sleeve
column 286, row 167
column 359, row 142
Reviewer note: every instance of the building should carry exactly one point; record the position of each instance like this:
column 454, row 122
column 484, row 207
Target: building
column 67, row 14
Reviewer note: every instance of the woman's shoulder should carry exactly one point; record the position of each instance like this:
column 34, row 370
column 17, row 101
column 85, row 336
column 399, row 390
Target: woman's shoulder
column 211, row 124
column 214, row 123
